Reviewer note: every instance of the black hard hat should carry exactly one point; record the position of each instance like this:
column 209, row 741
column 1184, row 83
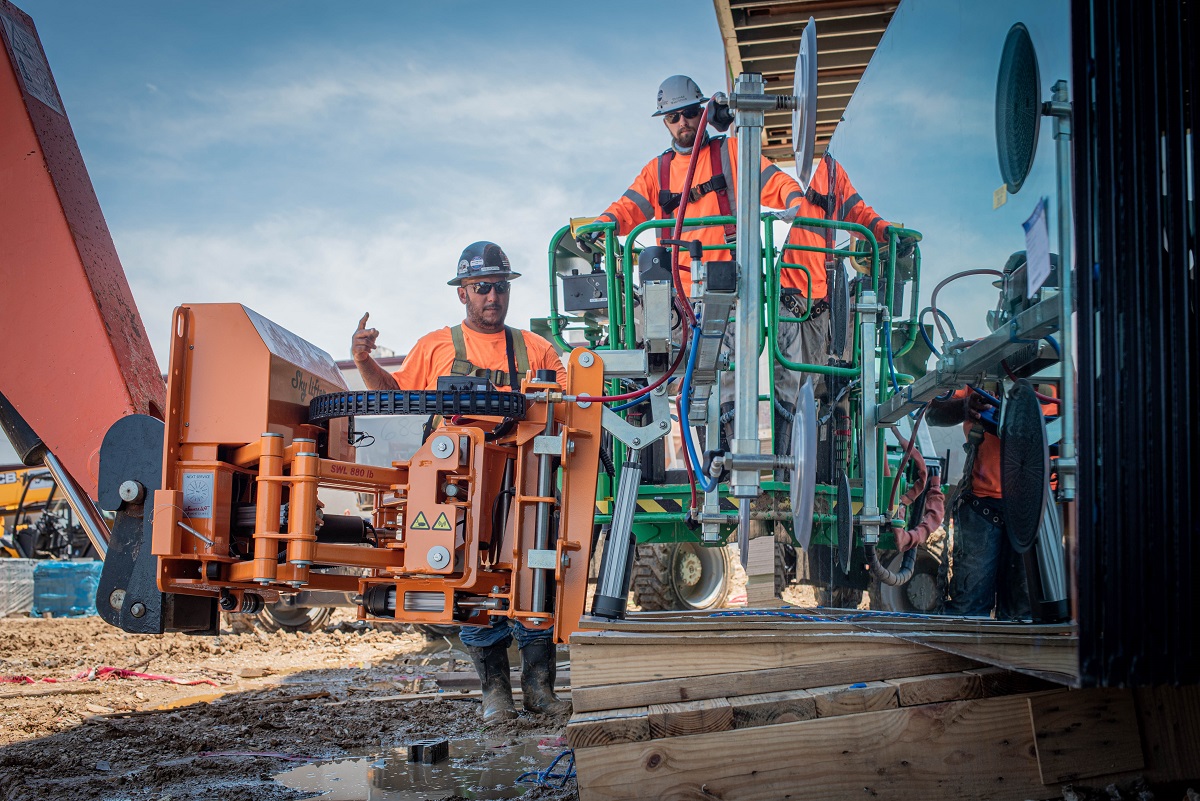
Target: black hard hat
column 482, row 260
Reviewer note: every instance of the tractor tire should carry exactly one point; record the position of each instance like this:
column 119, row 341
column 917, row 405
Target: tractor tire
column 785, row 562
column 435, row 631
column 838, row 597
column 278, row 617
column 925, row 592
column 680, row 576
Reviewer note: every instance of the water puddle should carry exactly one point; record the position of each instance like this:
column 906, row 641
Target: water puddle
column 477, row 768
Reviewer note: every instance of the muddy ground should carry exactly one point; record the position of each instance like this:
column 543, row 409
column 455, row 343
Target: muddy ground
column 259, row 705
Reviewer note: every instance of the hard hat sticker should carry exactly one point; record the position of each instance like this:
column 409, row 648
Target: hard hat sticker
column 420, row 523
column 442, row 524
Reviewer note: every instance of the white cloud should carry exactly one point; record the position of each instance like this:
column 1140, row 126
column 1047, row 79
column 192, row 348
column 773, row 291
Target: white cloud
column 426, row 162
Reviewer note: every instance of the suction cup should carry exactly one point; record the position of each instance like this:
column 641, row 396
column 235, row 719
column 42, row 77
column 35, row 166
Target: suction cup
column 1018, row 107
column 804, row 467
column 804, row 116
column 1024, row 466
column 839, row 310
column 845, row 531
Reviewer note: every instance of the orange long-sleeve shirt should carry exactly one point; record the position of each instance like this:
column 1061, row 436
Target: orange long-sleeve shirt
column 433, row 356
column 849, row 207
column 641, row 201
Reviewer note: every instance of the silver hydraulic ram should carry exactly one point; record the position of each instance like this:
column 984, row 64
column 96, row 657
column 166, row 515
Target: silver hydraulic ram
column 749, row 100
column 545, row 489
column 616, row 565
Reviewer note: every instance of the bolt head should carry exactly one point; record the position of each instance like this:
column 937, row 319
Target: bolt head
column 637, row 440
column 116, row 599
column 586, row 360
column 664, row 425
column 438, row 556
column 138, row 609
column 131, row 491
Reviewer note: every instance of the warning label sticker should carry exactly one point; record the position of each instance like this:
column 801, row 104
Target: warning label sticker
column 31, row 64
column 442, row 524
column 420, row 523
column 198, row 495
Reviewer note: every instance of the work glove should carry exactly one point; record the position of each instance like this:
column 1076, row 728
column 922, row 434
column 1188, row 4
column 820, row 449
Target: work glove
column 589, row 241
column 719, row 114
column 788, row 215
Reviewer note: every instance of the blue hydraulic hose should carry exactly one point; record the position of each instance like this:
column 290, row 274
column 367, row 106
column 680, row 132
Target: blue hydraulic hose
column 706, row 483
column 630, row 404
column 1054, row 344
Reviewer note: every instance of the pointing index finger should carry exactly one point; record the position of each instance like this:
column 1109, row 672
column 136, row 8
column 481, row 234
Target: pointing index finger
column 362, row 324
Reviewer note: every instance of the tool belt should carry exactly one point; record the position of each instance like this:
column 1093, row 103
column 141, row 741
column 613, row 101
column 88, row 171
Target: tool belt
column 990, row 509
column 797, row 305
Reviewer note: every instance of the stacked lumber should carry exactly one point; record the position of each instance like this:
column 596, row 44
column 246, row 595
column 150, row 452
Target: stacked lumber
column 697, row 709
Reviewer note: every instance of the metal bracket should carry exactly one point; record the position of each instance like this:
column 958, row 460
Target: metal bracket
column 641, row 436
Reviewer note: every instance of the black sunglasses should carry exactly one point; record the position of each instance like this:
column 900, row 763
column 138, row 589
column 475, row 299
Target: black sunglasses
column 691, row 113
column 486, row 287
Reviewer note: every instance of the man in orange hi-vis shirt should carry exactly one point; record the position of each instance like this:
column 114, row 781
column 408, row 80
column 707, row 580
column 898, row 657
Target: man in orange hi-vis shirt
column 482, row 345
column 986, row 572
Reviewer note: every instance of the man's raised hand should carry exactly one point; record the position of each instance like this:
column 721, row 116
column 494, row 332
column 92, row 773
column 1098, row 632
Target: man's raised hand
column 364, row 340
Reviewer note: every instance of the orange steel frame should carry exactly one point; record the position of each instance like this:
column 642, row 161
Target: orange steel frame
column 443, row 499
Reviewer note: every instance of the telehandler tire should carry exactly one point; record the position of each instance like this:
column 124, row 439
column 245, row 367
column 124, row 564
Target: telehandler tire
column 680, row 576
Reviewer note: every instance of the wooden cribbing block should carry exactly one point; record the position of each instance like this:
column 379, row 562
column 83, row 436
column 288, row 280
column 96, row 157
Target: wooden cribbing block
column 766, row 709
column 1169, row 719
column 690, row 717
column 867, row 696
column 1083, row 733
column 998, row 681
column 727, row 685
column 760, row 573
column 624, row 657
column 609, row 727
column 935, row 689
column 977, row 749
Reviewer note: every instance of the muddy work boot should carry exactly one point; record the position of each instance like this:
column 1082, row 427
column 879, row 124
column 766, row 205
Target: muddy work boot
column 491, row 663
column 537, row 679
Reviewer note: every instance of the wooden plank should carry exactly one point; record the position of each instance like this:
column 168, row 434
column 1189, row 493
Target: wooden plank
column 1049, row 657
column 1169, row 719
column 658, row 658
column 866, row 696
column 727, row 685
column 938, row 688
column 768, row 709
column 998, row 681
column 609, row 727
column 976, row 749
column 808, row 619
column 760, row 571
column 1085, row 733
column 690, row 717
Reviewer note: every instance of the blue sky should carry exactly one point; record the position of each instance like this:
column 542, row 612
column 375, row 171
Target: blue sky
column 316, row 161
column 919, row 142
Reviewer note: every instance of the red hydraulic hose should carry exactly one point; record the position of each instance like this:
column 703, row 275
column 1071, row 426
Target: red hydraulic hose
column 646, row 389
column 684, row 196
column 687, row 463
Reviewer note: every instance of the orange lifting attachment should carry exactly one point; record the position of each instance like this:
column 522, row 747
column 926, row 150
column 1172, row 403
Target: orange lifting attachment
column 491, row 516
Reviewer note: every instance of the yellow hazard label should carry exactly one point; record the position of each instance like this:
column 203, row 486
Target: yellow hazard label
column 420, row 524
column 442, row 524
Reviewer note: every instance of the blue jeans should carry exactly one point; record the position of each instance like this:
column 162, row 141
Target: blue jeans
column 986, row 572
column 503, row 629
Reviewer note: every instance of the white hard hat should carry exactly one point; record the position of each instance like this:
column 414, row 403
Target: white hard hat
column 676, row 92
